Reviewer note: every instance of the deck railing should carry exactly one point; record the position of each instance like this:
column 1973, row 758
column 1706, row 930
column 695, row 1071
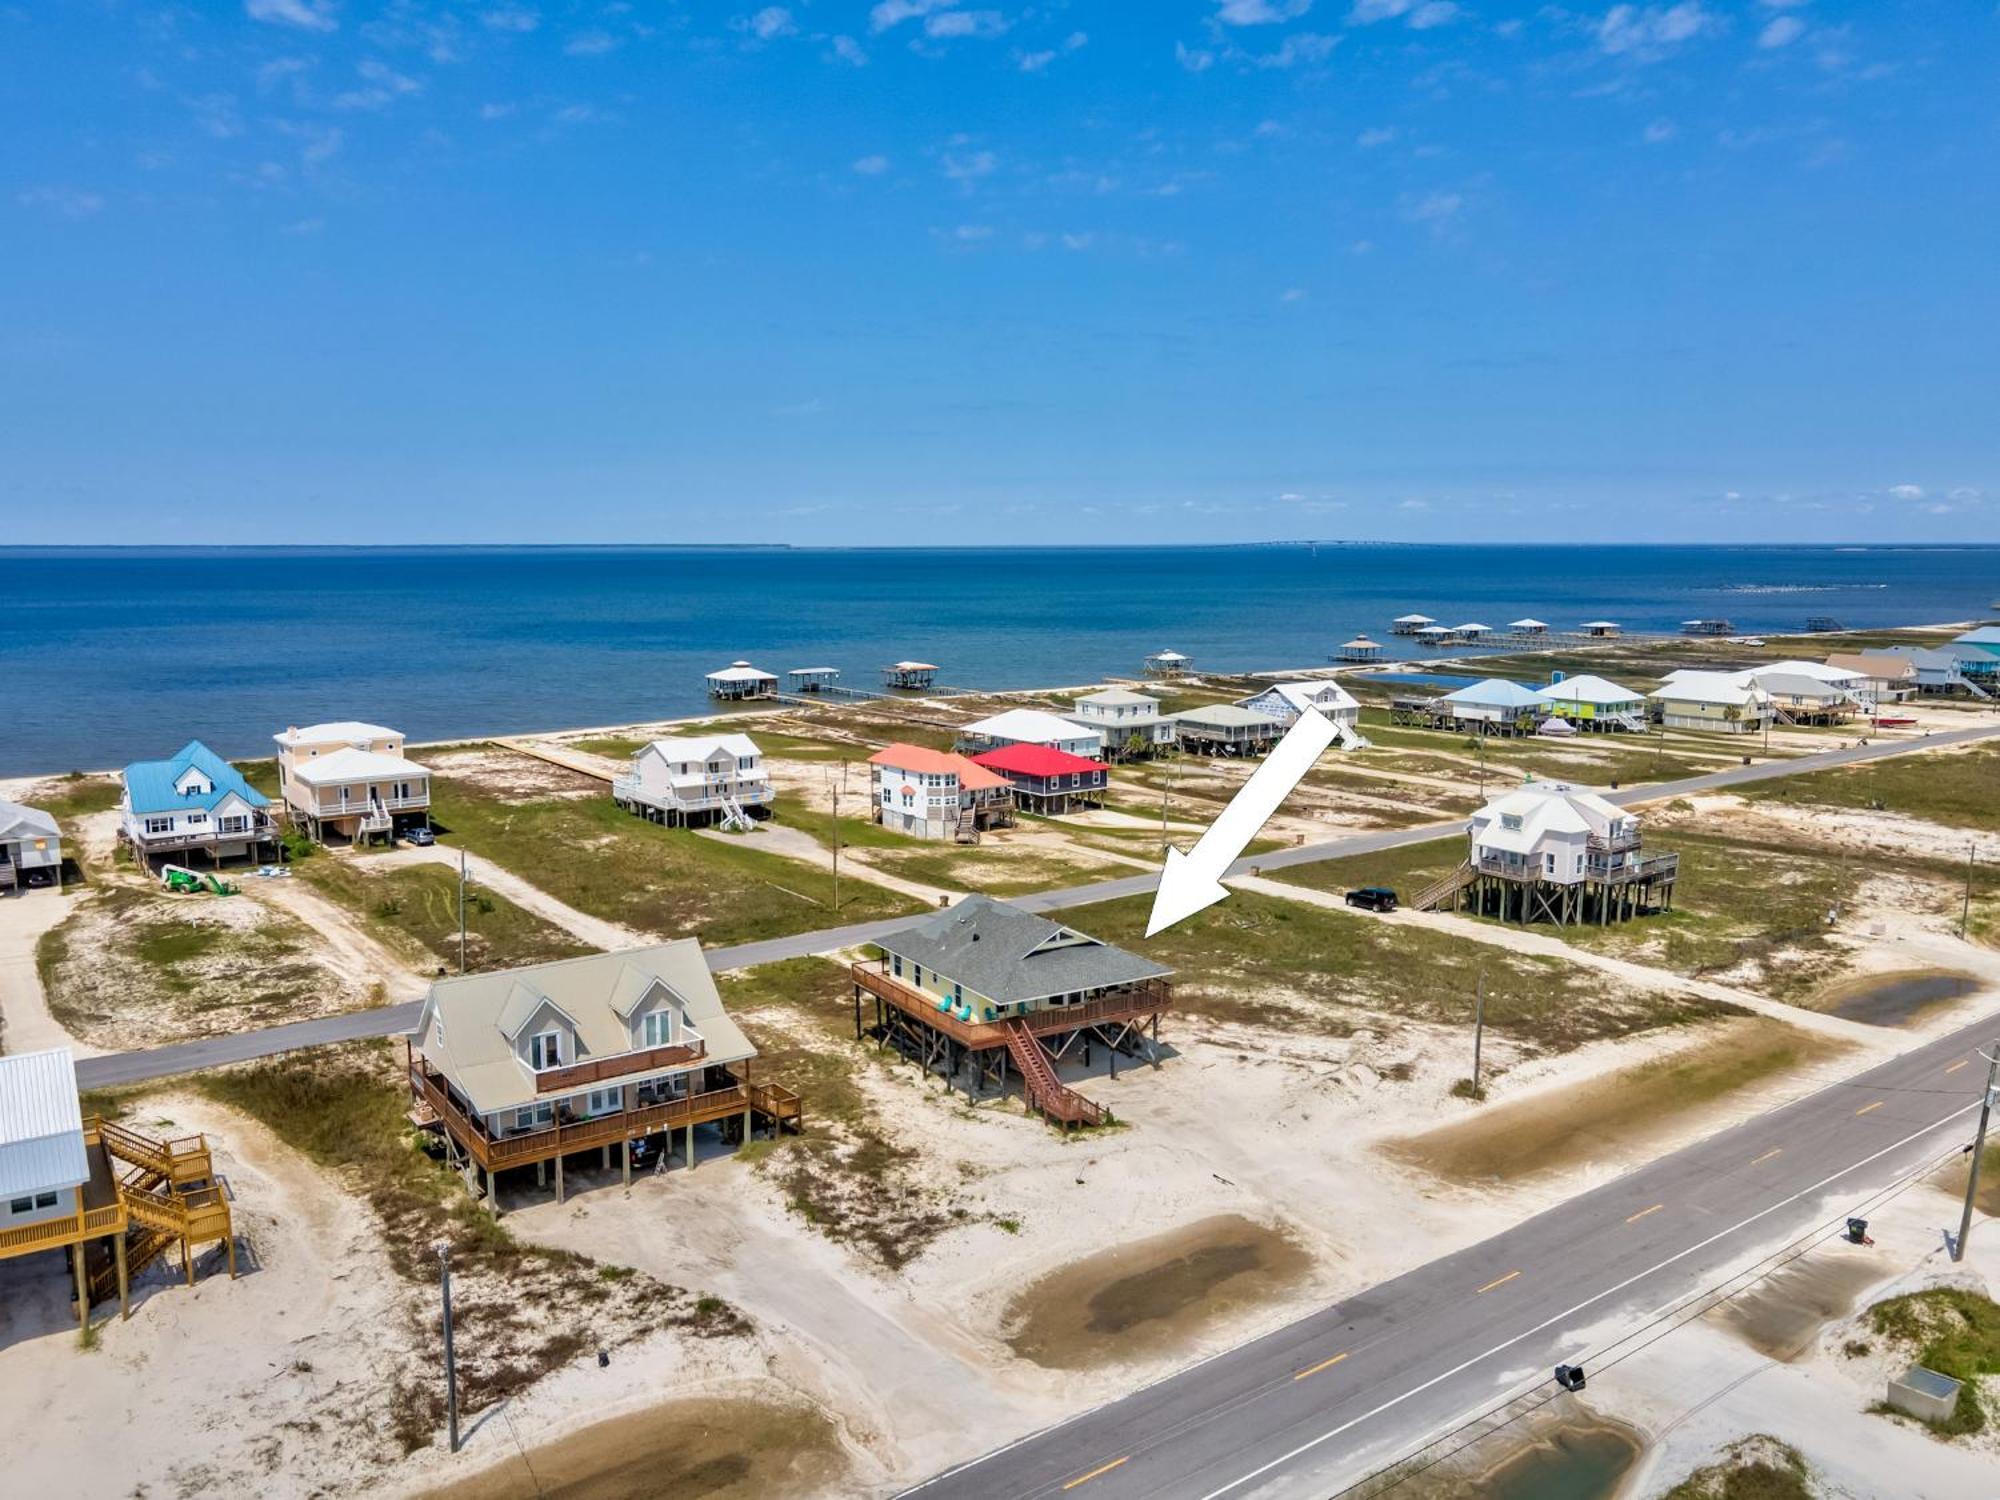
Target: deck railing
column 1141, row 998
column 582, row 1074
column 67, row 1230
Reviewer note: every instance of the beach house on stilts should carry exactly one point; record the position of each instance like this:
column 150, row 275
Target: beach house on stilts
column 30, row 848
column 687, row 781
column 1285, row 701
column 1546, row 852
column 195, row 800
column 983, row 990
column 350, row 781
column 1131, row 723
column 112, row 1199
column 934, row 794
column 613, row 1059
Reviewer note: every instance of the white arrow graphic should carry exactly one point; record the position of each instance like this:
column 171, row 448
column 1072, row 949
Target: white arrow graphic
column 1191, row 881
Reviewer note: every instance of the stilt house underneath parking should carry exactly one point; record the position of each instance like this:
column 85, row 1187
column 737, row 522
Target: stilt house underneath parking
column 983, row 989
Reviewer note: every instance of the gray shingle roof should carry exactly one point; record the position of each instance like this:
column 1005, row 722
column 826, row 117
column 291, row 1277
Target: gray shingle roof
column 1008, row 955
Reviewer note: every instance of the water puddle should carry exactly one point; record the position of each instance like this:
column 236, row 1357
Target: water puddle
column 1581, row 1458
column 1781, row 1314
column 1152, row 1295
column 1897, row 999
column 694, row 1450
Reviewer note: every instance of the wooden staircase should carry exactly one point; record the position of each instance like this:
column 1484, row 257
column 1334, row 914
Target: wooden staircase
column 1047, row 1093
column 1439, row 891
column 170, row 1198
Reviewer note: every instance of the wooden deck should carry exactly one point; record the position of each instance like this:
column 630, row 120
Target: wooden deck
column 1133, row 1003
column 780, row 1105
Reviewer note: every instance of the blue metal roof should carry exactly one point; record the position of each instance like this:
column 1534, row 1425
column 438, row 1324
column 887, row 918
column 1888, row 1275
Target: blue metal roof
column 1496, row 692
column 149, row 784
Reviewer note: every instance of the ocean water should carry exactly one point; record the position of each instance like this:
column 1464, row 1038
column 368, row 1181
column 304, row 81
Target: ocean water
column 113, row 655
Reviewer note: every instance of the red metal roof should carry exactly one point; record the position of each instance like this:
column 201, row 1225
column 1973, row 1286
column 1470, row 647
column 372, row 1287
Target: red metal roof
column 1036, row 760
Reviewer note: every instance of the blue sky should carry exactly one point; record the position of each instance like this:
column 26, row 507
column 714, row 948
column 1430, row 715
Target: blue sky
column 924, row 271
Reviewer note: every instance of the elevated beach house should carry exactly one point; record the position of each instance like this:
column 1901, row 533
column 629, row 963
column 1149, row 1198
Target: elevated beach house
column 935, row 794
column 1130, row 723
column 1943, row 670
column 1046, row 780
column 983, row 989
column 30, row 847
column 1978, row 653
column 1592, row 702
column 193, row 801
column 1030, row 726
column 1546, row 852
column 1715, row 701
column 1285, row 701
column 112, row 1200
column 1529, row 629
column 350, row 780
column 739, row 681
column 1808, row 692
column 616, row 1057
column 1493, row 705
column 1886, row 676
column 689, row 780
column 1226, row 729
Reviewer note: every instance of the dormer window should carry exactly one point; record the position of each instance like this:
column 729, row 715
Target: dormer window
column 1511, row 822
column 657, row 1028
column 545, row 1050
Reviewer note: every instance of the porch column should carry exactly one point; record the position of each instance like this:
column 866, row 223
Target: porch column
column 604, row 1156
column 747, row 1127
column 628, row 1161
column 82, row 1287
column 124, row 1281
column 690, row 1145
column 559, row 1181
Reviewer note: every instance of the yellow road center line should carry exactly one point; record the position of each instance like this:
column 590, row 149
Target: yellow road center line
column 1957, row 1065
column 1101, row 1469
column 1866, row 1107
column 1325, row 1364
column 1644, row 1211
column 1501, row 1282
column 1774, row 1151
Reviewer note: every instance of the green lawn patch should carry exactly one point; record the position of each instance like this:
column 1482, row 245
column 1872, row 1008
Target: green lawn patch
column 1958, row 788
column 1954, row 1331
column 415, row 909
column 1272, row 962
column 76, row 795
column 591, row 854
column 1752, row 1468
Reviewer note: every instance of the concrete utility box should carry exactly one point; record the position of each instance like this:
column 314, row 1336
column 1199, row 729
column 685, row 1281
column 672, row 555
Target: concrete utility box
column 1924, row 1394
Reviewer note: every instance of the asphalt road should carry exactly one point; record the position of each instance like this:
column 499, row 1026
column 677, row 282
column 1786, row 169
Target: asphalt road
column 394, row 1020
column 1341, row 1392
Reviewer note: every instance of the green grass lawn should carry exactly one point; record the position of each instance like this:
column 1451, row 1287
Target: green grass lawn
column 1956, row 788
column 993, row 868
column 594, row 856
column 415, row 909
column 1953, row 1330
column 857, row 828
column 1272, row 962
column 77, row 795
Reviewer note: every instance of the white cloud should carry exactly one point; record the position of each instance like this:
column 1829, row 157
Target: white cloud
column 965, row 23
column 1906, row 492
column 1780, row 31
column 770, row 23
column 307, row 15
column 849, row 51
column 890, row 13
column 1299, row 47
column 1193, row 61
column 1081, row 241
column 1660, row 132
column 495, row 111
column 1375, row 135
column 971, row 234
column 1647, row 33
column 1438, row 210
column 590, row 44
column 1433, row 13
column 384, row 86
column 871, row 166
column 968, row 168
column 1034, row 62
column 1293, row 294
column 1419, row 15
column 1260, row 12
column 300, row 228
column 516, row 18
column 68, row 203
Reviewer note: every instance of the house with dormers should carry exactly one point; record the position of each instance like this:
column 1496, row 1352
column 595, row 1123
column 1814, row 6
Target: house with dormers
column 596, row 1061
column 193, row 801
column 689, row 780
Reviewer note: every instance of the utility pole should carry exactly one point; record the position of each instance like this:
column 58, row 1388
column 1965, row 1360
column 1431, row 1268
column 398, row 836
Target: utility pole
column 450, row 1361
column 461, row 911
column 1965, row 906
column 1978, row 1150
column 1478, row 1029
column 833, row 789
column 1166, row 783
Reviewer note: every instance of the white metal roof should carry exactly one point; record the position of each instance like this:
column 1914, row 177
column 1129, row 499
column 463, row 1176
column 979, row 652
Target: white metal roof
column 1545, row 810
column 41, row 1123
column 336, row 731
column 1725, row 688
column 701, row 746
column 913, row 666
column 1032, row 726
column 1166, row 656
column 1325, row 693
column 1412, row 620
column 1528, row 625
column 1120, row 698
column 1473, row 628
column 1587, row 689
column 1599, row 625
column 812, row 671
column 1433, row 630
column 355, row 765
column 740, row 671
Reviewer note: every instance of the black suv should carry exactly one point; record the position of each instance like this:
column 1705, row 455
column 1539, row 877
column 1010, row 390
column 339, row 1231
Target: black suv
column 1373, row 898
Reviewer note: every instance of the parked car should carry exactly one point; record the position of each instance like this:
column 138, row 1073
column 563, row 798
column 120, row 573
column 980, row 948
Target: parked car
column 423, row 838
column 1372, row 898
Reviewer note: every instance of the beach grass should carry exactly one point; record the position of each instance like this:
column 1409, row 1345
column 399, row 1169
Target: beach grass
column 591, row 854
column 415, row 909
column 1955, row 788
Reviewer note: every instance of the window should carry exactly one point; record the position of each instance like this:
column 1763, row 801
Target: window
column 545, row 1050
column 533, row 1115
column 658, row 1027
column 20, row 1205
column 605, row 1101
column 918, row 970
column 235, row 824
column 160, row 825
column 196, row 820
column 896, row 964
column 45, row 1200
column 1511, row 821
